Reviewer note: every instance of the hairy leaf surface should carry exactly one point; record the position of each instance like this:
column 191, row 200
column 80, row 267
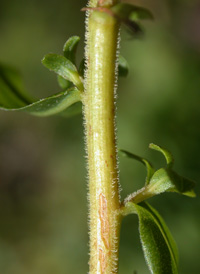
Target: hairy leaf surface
column 158, row 245
column 70, row 48
column 55, row 104
column 168, row 180
column 63, row 67
column 13, row 97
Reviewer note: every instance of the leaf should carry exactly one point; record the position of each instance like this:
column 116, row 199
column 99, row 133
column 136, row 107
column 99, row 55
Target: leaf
column 158, row 245
column 123, row 67
column 50, row 105
column 159, row 248
column 11, row 88
column 63, row 67
column 70, row 48
column 168, row 180
column 132, row 12
column 63, row 83
column 13, row 98
column 69, row 51
column 72, row 110
column 139, row 13
column 150, row 169
column 168, row 156
column 163, row 180
column 130, row 15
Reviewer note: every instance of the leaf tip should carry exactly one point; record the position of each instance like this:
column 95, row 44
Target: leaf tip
column 168, row 156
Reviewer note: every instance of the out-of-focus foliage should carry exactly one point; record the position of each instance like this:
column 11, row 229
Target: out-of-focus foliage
column 43, row 227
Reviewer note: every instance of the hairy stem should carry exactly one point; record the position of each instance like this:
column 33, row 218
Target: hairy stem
column 99, row 115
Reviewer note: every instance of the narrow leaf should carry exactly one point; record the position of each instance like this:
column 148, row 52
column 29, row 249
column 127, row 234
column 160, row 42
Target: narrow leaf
column 159, row 248
column 168, row 180
column 63, row 83
column 168, row 156
column 128, row 11
column 158, row 245
column 130, row 16
column 163, row 180
column 70, row 48
column 149, row 167
column 50, row 105
column 69, row 51
column 72, row 110
column 63, row 67
column 139, row 13
column 11, row 88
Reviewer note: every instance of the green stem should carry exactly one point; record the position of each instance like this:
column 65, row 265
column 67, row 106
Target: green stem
column 99, row 114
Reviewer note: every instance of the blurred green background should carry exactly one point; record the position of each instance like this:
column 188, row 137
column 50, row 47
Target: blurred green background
column 43, row 204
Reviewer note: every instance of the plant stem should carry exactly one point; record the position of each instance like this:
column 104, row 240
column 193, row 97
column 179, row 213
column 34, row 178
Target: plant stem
column 99, row 114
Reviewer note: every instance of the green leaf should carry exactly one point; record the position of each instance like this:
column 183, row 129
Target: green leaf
column 159, row 248
column 72, row 110
column 63, row 67
column 131, row 12
column 11, row 88
column 163, row 180
column 123, row 67
column 158, row 245
column 69, row 51
column 50, row 105
column 13, row 98
column 70, row 48
column 139, row 13
column 63, row 83
column 168, row 156
column 130, row 15
column 150, row 169
column 168, row 180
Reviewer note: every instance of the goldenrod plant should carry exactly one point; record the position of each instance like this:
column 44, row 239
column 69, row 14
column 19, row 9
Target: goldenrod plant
column 91, row 87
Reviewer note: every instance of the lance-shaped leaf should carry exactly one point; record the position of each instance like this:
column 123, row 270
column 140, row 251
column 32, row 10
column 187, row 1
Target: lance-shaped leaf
column 13, row 98
column 63, row 67
column 70, row 48
column 158, row 245
column 11, row 88
column 149, row 167
column 130, row 15
column 63, row 83
column 163, row 180
column 72, row 110
column 168, row 156
column 128, row 11
column 168, row 180
column 50, row 105
column 159, row 248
